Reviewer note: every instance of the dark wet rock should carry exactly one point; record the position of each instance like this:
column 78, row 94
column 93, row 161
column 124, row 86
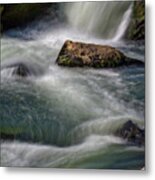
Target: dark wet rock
column 17, row 15
column 23, row 69
column 18, row 69
column 78, row 54
column 4, row 136
column 136, row 29
column 10, row 133
column 132, row 133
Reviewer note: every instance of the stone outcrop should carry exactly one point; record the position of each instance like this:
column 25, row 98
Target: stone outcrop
column 136, row 29
column 17, row 15
column 132, row 133
column 78, row 54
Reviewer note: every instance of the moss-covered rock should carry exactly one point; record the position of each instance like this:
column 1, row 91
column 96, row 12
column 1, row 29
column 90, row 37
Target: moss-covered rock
column 136, row 30
column 14, row 15
column 77, row 54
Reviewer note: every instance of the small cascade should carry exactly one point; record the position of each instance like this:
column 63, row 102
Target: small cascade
column 21, row 69
column 108, row 20
column 7, row 73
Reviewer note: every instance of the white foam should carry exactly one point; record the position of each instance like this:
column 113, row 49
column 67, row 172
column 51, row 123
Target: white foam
column 24, row 154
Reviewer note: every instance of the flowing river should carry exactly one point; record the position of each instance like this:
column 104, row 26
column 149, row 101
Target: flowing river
column 66, row 117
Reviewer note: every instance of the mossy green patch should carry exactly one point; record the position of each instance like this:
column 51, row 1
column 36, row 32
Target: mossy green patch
column 64, row 60
column 11, row 130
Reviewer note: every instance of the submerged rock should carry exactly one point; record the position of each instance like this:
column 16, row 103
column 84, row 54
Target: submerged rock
column 132, row 133
column 78, row 54
column 23, row 69
column 18, row 69
column 4, row 136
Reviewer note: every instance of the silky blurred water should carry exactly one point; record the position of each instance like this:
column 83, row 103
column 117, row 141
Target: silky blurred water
column 66, row 117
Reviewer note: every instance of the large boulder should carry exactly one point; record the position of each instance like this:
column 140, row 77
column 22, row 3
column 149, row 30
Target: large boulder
column 78, row 54
column 132, row 133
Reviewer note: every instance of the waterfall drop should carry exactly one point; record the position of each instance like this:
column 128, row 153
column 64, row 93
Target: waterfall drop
column 108, row 20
